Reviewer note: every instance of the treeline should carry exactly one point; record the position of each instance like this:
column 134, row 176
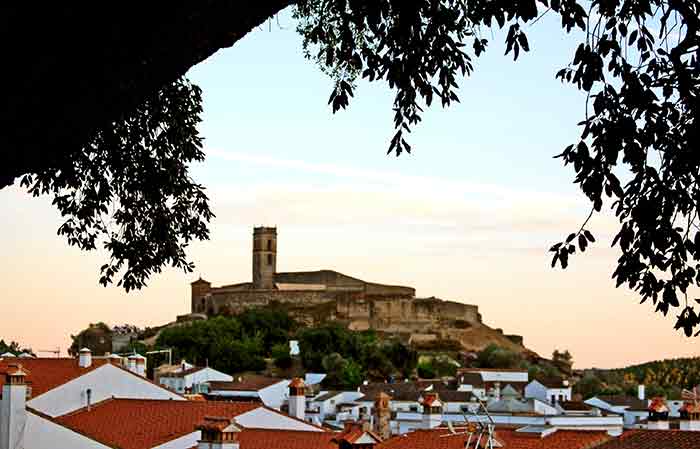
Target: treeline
column 230, row 344
column 14, row 348
column 246, row 342
column 349, row 357
column 664, row 378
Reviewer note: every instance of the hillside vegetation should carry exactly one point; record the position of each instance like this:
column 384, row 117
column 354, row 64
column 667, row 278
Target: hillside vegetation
column 661, row 378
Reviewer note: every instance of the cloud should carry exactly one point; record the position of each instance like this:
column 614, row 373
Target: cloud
column 446, row 213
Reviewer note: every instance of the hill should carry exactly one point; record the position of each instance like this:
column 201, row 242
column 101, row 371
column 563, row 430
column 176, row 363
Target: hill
column 660, row 377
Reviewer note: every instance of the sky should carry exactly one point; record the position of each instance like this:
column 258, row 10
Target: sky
column 468, row 216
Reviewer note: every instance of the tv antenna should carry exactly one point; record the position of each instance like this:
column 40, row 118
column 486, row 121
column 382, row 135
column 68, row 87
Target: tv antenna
column 476, row 430
column 56, row 352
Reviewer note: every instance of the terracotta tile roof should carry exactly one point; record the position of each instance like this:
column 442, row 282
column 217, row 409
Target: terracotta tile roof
column 285, row 439
column 658, row 405
column 251, row 382
column 690, row 407
column 297, row 382
column 435, row 439
column 48, row 373
column 655, row 439
column 144, row 423
column 354, row 432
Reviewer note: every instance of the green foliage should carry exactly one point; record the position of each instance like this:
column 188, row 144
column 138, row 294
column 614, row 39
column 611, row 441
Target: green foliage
column 439, row 366
column 129, row 189
column 350, row 353
column 493, row 356
column 426, row 371
column 588, row 386
column 14, row 348
column 637, row 63
column 661, row 378
column 281, row 356
column 563, row 360
column 230, row 344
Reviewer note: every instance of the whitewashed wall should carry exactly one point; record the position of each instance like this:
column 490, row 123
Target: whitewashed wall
column 44, row 434
column 262, row 418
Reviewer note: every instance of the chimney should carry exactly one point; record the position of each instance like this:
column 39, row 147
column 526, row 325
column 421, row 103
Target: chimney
column 432, row 411
column 85, row 358
column 115, row 359
column 658, row 415
column 690, row 412
column 640, row 392
column 218, row 433
column 297, row 398
column 131, row 363
column 13, row 411
column 382, row 420
column 496, row 391
column 140, row 365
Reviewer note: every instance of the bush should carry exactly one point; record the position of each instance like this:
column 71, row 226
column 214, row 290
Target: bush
column 426, row 371
column 281, row 356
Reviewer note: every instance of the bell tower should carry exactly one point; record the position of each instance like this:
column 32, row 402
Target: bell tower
column 264, row 257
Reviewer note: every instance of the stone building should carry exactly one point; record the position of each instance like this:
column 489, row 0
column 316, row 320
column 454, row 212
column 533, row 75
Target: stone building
column 315, row 297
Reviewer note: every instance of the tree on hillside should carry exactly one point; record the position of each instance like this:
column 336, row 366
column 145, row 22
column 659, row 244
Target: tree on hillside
column 13, row 348
column 563, row 360
column 107, row 126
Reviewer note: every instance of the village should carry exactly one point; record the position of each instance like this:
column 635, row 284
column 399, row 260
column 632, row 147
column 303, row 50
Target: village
column 108, row 402
column 350, row 224
column 106, row 396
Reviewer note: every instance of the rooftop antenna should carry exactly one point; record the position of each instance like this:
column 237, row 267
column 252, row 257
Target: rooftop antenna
column 56, row 352
column 476, row 430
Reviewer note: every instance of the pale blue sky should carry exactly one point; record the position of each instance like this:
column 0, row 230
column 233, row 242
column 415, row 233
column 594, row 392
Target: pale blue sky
column 468, row 216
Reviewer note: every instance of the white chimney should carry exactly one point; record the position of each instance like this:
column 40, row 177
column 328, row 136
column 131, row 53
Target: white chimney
column 13, row 411
column 640, row 392
column 140, row 365
column 218, row 433
column 297, row 398
column 85, row 358
column 131, row 363
column 432, row 411
column 496, row 391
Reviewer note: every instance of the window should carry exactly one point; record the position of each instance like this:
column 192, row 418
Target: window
column 269, row 245
column 269, row 259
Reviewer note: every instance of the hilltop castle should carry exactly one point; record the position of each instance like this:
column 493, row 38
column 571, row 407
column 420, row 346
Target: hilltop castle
column 315, row 297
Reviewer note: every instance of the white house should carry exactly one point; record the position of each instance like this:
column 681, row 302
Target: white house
column 57, row 386
column 192, row 378
column 551, row 391
column 633, row 409
column 77, row 404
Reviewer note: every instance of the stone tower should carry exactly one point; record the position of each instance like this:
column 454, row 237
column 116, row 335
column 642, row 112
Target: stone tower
column 382, row 416
column 264, row 257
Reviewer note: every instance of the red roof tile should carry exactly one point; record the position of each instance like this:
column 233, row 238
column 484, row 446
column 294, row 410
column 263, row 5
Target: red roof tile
column 441, row 438
column 285, row 439
column 143, row 424
column 48, row 373
column 658, row 405
column 655, row 439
